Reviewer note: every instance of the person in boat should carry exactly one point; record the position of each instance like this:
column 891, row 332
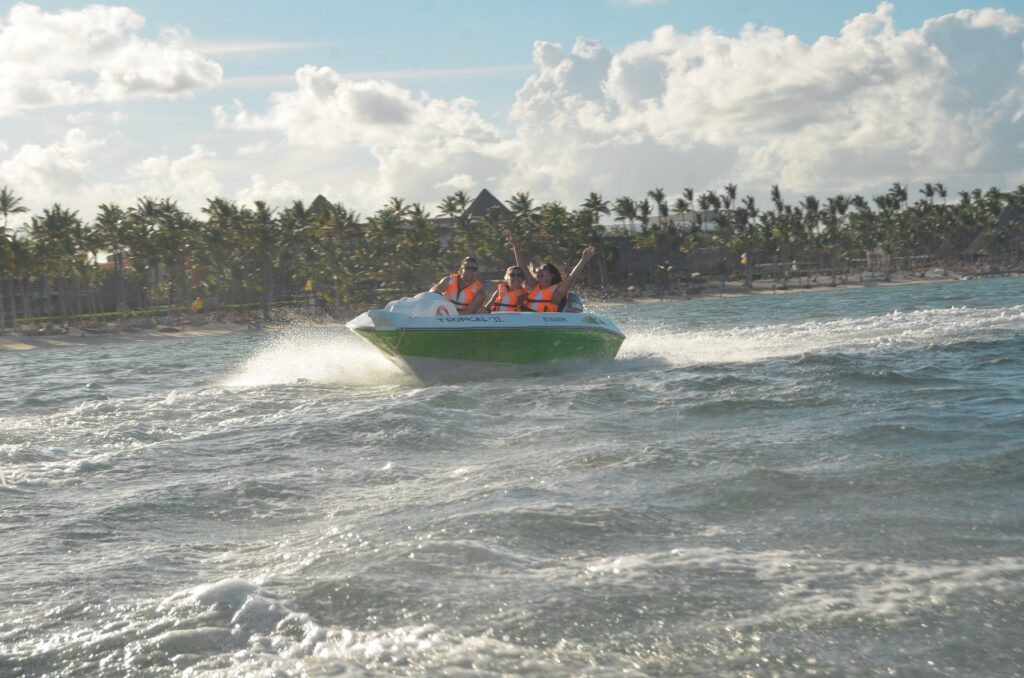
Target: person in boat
column 510, row 295
column 547, row 288
column 463, row 288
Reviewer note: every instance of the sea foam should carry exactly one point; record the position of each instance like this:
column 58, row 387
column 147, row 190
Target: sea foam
column 896, row 330
column 316, row 355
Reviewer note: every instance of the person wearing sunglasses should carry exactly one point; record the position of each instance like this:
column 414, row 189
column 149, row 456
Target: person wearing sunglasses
column 547, row 289
column 463, row 288
column 509, row 296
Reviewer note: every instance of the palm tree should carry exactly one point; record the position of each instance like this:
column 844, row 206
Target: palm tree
column 625, row 209
column 597, row 206
column 464, row 239
column 643, row 212
column 112, row 233
column 898, row 192
column 23, row 263
column 397, row 206
column 143, row 223
column 9, row 204
column 748, row 227
column 524, row 213
column 658, row 196
column 729, row 197
column 834, row 217
column 808, row 227
column 449, row 207
column 266, row 236
column 175, row 240
column 55, row 238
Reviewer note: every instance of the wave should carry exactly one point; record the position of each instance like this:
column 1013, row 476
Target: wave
column 892, row 331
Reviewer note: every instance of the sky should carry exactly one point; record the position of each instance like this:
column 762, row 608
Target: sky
column 360, row 101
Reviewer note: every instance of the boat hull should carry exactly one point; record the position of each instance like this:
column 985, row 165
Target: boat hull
column 500, row 343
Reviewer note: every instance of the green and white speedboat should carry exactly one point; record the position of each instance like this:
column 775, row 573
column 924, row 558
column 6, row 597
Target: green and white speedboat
column 426, row 337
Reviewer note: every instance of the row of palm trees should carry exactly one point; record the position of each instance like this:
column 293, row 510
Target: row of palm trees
column 161, row 256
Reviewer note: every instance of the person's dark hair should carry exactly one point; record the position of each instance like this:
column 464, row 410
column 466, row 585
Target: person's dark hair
column 469, row 260
column 556, row 275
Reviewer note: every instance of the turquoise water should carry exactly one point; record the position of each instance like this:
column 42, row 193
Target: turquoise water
column 804, row 484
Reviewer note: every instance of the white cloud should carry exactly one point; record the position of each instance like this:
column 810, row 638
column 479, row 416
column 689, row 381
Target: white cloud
column 63, row 171
column 458, row 182
column 91, row 55
column 417, row 142
column 280, row 193
column 329, row 110
column 190, row 179
column 848, row 112
column 254, row 149
column 853, row 112
column 238, row 47
column 869, row 106
column 53, row 171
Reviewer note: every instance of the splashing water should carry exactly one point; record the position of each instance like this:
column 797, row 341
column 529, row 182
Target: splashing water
column 895, row 330
column 819, row 484
column 317, row 355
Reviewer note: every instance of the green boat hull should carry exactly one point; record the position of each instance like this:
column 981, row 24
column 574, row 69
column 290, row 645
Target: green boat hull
column 510, row 346
column 442, row 346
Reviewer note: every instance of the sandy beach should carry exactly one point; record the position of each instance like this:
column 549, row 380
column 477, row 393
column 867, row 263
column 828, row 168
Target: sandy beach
column 78, row 337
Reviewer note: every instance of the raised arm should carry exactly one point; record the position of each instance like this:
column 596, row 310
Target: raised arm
column 528, row 280
column 566, row 284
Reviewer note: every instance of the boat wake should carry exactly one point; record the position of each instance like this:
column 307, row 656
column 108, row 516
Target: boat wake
column 893, row 331
column 319, row 356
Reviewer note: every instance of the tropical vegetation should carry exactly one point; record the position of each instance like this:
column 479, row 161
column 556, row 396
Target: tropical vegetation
column 154, row 255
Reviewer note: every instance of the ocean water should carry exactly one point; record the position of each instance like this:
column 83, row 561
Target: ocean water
column 825, row 484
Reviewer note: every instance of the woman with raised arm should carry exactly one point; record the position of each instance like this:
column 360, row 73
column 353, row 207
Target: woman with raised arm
column 548, row 290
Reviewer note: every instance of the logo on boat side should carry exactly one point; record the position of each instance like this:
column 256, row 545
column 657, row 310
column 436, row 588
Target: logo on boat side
column 470, row 319
column 553, row 320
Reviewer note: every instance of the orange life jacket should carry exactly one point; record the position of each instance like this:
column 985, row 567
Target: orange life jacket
column 542, row 299
column 508, row 299
column 464, row 297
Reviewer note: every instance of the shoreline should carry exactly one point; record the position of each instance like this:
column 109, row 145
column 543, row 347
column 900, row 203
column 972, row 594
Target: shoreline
column 716, row 290
column 15, row 343
column 79, row 336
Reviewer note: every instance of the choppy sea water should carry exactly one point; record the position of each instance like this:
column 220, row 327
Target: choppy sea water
column 804, row 484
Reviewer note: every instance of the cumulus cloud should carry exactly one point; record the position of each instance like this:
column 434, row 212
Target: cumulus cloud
column 848, row 112
column 63, row 171
column 417, row 142
column 329, row 110
column 853, row 111
column 190, row 179
column 57, row 169
column 458, row 182
column 868, row 106
column 278, row 193
column 91, row 55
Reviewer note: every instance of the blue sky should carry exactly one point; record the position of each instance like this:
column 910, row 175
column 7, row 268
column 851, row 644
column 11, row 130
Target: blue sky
column 418, row 98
